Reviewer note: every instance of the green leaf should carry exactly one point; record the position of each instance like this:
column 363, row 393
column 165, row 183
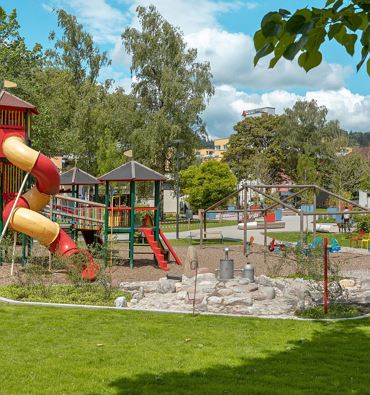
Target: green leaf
column 295, row 23
column 265, row 50
column 270, row 17
column 329, row 2
column 353, row 21
column 365, row 37
column 337, row 5
column 334, row 29
column 274, row 60
column 348, row 41
column 368, row 67
column 271, row 29
column 364, row 54
column 259, row 40
column 284, row 12
column 292, row 50
column 309, row 60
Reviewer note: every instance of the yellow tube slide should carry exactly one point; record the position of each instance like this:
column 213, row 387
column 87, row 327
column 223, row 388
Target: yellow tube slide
column 26, row 220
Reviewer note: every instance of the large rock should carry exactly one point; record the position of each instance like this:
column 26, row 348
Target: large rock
column 269, row 292
column 238, row 300
column 365, row 284
column 166, row 286
column 206, row 277
column 120, row 302
column 225, row 291
column 206, row 286
column 148, row 286
column 244, row 281
column 138, row 295
column 182, row 295
column 347, row 283
column 214, row 300
column 264, row 280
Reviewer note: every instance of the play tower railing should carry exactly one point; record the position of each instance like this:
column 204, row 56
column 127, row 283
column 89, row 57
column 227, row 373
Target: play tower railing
column 81, row 214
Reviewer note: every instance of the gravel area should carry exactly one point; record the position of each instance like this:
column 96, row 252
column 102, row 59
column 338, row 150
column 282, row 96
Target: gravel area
column 209, row 257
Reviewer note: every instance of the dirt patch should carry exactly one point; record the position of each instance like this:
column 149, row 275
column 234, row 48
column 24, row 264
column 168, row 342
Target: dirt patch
column 209, row 257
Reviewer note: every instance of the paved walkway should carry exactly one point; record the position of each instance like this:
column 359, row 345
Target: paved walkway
column 232, row 232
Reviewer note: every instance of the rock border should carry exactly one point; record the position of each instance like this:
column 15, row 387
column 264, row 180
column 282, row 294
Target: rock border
column 275, row 317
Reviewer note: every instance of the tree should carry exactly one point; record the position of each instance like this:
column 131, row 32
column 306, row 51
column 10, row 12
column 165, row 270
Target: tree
column 286, row 34
column 171, row 88
column 206, row 184
column 17, row 62
column 254, row 151
column 306, row 174
column 350, row 174
column 108, row 155
column 75, row 51
column 306, row 131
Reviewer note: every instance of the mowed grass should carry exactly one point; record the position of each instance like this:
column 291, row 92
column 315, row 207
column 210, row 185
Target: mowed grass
column 183, row 227
column 74, row 351
column 342, row 238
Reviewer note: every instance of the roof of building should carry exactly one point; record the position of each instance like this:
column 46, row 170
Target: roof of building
column 132, row 171
column 10, row 101
column 76, row 176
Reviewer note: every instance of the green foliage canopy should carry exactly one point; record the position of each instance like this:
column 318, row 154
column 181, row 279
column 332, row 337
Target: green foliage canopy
column 171, row 87
column 208, row 183
column 254, row 151
column 286, row 34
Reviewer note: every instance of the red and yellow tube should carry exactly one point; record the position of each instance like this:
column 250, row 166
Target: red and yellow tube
column 25, row 218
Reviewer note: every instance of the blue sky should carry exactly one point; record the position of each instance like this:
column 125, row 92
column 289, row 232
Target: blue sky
column 222, row 32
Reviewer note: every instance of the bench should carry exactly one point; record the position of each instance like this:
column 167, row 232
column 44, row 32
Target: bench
column 208, row 235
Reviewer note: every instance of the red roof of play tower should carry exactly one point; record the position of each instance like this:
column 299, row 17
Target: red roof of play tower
column 9, row 102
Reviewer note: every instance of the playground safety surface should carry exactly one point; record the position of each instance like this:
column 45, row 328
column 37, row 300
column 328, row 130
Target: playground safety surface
column 209, row 257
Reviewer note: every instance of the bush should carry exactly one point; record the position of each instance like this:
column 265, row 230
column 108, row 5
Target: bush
column 89, row 294
column 362, row 222
column 335, row 311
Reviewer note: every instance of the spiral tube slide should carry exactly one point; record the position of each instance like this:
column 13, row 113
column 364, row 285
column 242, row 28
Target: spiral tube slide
column 25, row 218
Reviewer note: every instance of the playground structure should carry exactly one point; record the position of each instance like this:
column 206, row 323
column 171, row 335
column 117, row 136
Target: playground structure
column 45, row 213
column 21, row 212
column 265, row 190
column 121, row 218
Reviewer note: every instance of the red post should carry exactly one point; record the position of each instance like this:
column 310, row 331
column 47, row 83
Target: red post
column 326, row 276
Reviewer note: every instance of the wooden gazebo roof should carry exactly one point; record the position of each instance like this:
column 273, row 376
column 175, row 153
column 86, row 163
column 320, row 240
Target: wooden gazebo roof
column 76, row 176
column 11, row 102
column 132, row 171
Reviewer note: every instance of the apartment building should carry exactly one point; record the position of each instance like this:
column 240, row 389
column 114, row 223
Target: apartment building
column 220, row 146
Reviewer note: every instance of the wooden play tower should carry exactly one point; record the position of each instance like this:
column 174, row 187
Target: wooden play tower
column 121, row 218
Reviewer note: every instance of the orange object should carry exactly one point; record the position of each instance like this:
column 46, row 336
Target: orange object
column 270, row 217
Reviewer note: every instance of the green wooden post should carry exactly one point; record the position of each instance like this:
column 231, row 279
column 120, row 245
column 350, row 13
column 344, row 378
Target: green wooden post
column 132, row 222
column 106, row 223
column 157, row 204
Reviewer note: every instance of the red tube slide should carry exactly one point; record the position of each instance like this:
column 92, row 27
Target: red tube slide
column 25, row 218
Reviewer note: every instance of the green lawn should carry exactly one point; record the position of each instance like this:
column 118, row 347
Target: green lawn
column 68, row 351
column 188, row 241
column 342, row 238
column 195, row 225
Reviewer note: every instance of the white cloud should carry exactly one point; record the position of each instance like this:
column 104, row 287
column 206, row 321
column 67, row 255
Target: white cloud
column 224, row 111
column 190, row 15
column 102, row 20
column 231, row 58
